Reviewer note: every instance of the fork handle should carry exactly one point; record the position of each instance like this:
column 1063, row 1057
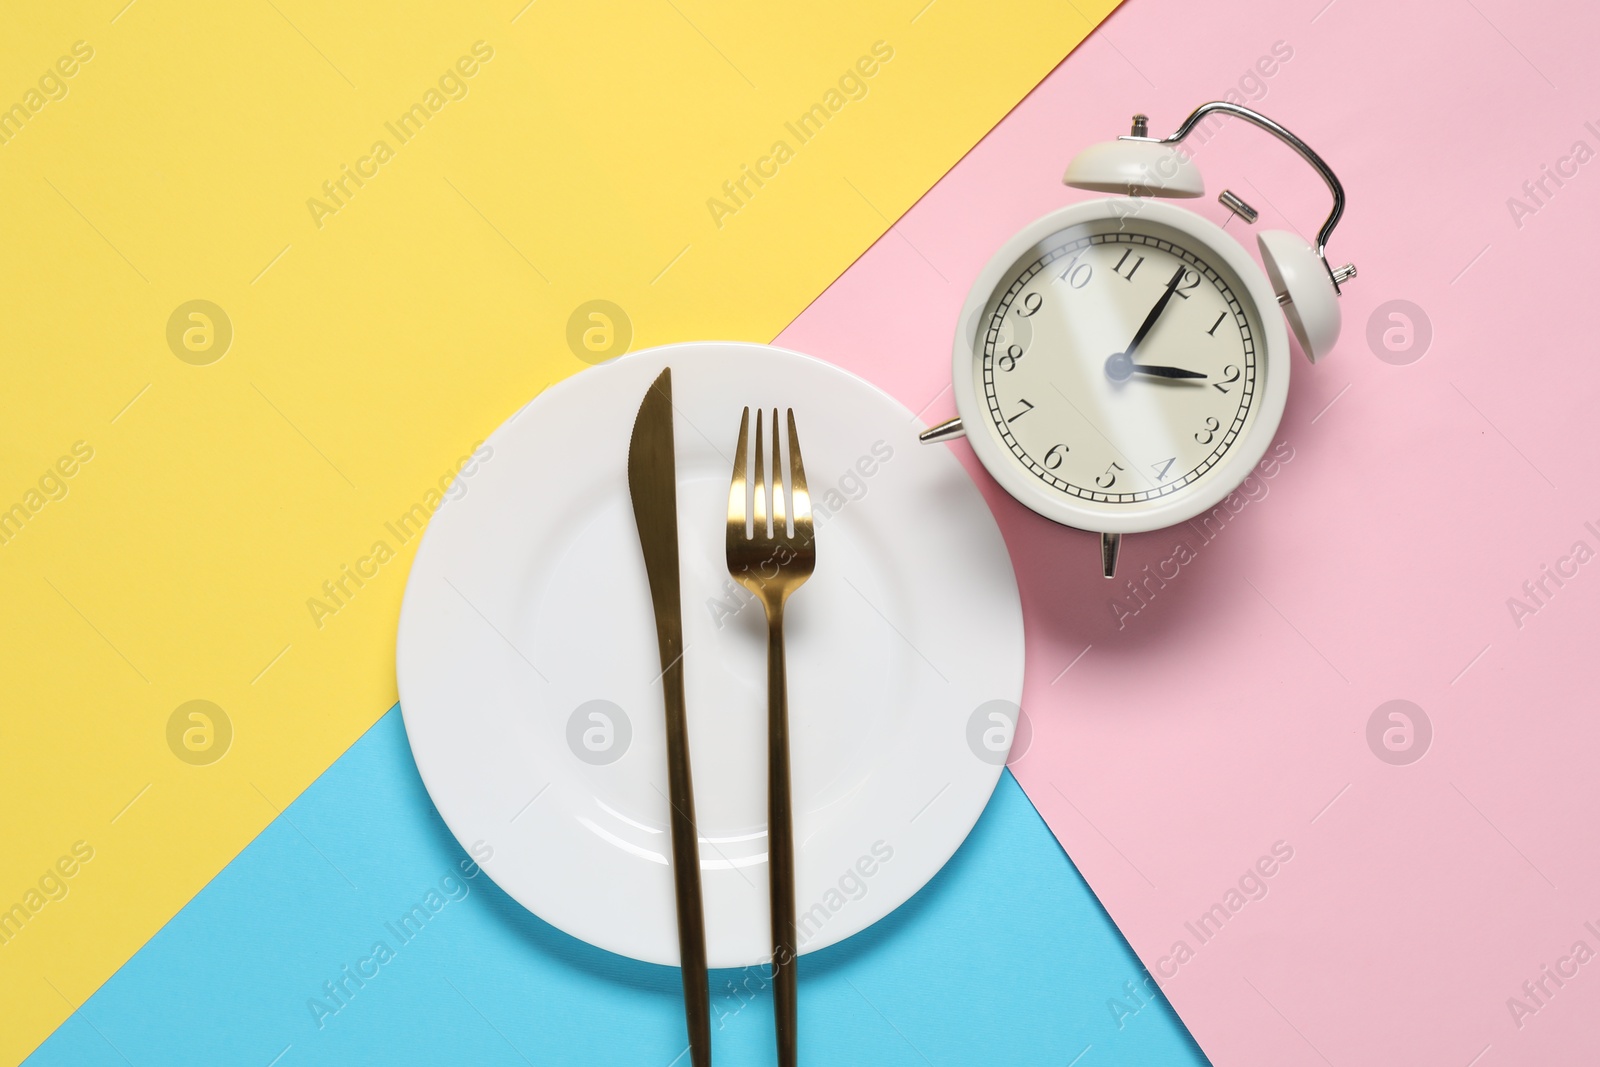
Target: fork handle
column 780, row 853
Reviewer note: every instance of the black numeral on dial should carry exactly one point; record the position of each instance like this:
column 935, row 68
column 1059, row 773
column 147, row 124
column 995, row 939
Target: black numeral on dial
column 1076, row 274
column 1132, row 270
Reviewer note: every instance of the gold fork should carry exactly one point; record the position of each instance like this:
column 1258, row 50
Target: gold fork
column 772, row 563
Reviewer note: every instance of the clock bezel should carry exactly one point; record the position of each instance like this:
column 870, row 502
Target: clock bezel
column 1226, row 476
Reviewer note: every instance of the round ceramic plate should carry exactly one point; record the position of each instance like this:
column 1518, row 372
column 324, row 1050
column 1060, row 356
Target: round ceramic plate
column 530, row 679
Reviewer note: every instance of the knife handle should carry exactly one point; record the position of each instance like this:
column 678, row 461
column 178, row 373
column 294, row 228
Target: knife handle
column 686, row 869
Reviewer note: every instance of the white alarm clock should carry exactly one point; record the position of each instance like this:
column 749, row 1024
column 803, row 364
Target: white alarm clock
column 1121, row 364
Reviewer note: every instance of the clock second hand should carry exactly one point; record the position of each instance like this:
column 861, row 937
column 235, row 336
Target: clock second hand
column 1120, row 367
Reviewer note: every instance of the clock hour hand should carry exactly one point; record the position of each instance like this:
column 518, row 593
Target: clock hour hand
column 1165, row 372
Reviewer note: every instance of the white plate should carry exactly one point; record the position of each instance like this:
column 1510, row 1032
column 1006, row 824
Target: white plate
column 528, row 602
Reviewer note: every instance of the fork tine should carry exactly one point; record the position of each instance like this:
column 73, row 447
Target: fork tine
column 780, row 521
column 797, row 480
column 739, row 490
column 761, row 484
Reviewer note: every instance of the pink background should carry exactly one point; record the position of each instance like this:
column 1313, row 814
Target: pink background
column 1231, row 713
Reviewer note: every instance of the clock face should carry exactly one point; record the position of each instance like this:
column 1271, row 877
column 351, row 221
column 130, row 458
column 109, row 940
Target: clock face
column 1120, row 364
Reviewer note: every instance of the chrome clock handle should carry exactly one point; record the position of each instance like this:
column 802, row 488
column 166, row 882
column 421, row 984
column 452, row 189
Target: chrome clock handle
column 1255, row 118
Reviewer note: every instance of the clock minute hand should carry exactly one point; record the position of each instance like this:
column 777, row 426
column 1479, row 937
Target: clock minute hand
column 1121, row 366
column 1155, row 313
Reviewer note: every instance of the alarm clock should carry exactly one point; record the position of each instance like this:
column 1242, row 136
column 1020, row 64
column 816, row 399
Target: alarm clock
column 1121, row 365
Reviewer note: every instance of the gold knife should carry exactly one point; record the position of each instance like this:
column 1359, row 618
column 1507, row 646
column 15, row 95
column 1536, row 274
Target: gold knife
column 653, row 484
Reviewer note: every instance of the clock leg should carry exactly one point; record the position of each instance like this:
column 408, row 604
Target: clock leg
column 1110, row 545
column 945, row 431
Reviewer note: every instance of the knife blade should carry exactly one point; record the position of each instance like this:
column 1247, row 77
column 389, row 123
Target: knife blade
column 653, row 485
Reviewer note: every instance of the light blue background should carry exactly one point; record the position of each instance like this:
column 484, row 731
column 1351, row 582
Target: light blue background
column 1006, row 957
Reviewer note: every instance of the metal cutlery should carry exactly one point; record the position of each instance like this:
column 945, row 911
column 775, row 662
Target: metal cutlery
column 772, row 561
column 653, row 485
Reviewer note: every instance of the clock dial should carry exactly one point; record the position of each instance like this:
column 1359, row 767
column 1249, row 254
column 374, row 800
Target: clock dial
column 1119, row 362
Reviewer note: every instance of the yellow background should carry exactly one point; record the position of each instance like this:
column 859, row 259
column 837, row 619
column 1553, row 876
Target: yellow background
column 368, row 354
